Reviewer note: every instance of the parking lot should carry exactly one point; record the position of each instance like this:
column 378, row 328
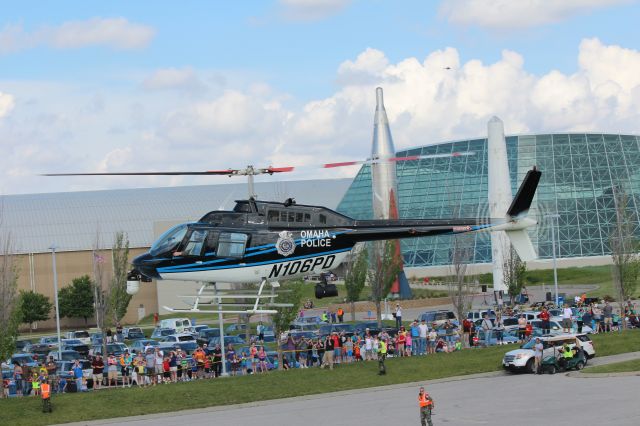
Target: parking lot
column 495, row 399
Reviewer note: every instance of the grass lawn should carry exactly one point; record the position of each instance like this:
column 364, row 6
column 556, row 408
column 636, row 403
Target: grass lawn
column 234, row 390
column 619, row 367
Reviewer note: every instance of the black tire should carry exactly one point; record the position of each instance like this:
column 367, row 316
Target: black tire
column 551, row 369
column 579, row 365
column 530, row 368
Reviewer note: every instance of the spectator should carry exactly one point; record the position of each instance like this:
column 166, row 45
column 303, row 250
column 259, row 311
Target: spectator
column 433, row 337
column 18, row 377
column 607, row 311
column 260, row 331
column 150, row 367
column 398, row 315
column 125, row 368
column 340, row 315
column 77, row 374
column 139, row 367
column 487, row 326
column 158, row 366
column 262, row 360
column 217, row 361
column 566, row 319
column 231, row 356
column 538, row 348
column 328, row 353
column 98, row 371
column 522, row 328
column 112, row 370
column 499, row 329
column 414, row 331
column 400, row 341
column 423, row 331
column 408, row 343
column 544, row 318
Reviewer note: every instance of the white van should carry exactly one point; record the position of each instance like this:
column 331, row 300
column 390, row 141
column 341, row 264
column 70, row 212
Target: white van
column 180, row 325
column 523, row 358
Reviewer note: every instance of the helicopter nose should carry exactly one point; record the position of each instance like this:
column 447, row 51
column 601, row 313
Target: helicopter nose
column 145, row 263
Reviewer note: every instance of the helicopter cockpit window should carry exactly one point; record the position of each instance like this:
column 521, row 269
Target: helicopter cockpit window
column 231, row 244
column 169, row 240
column 195, row 243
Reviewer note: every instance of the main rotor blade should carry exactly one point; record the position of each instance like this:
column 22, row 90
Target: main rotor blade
column 208, row 172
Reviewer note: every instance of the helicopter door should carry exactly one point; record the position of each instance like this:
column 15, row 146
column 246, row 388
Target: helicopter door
column 232, row 244
column 195, row 244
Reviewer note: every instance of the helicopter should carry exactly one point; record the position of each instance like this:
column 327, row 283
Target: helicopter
column 267, row 241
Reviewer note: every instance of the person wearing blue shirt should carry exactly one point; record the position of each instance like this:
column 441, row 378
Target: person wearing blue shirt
column 77, row 374
column 415, row 338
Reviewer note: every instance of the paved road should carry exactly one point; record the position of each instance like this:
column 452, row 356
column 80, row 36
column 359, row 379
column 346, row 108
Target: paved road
column 501, row 399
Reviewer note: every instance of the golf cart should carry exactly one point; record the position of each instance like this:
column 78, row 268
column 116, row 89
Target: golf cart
column 557, row 363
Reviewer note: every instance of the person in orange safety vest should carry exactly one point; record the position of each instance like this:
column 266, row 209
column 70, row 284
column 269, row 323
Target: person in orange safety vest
column 426, row 405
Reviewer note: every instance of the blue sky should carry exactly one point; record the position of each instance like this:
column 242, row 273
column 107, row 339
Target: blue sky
column 296, row 61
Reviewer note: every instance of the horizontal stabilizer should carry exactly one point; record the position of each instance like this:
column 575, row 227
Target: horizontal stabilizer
column 522, row 244
column 522, row 201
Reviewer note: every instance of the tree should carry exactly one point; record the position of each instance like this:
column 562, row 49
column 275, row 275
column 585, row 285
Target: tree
column 624, row 252
column 356, row 276
column 76, row 300
column 514, row 271
column 460, row 290
column 9, row 306
column 384, row 273
column 290, row 293
column 118, row 297
column 33, row 307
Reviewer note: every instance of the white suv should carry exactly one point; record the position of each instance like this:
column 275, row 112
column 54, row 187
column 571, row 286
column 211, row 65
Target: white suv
column 523, row 358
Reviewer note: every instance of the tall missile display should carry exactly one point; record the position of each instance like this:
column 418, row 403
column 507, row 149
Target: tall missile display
column 499, row 196
column 384, row 182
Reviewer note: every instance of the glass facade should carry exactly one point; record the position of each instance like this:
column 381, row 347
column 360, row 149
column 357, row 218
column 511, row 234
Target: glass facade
column 579, row 173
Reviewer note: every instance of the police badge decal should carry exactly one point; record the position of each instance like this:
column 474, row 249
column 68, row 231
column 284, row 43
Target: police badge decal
column 285, row 244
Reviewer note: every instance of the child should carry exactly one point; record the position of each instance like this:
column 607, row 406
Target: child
column 166, row 370
column 207, row 367
column 35, row 383
column 62, row 384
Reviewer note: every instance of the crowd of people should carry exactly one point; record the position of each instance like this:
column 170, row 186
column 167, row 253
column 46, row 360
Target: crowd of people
column 153, row 366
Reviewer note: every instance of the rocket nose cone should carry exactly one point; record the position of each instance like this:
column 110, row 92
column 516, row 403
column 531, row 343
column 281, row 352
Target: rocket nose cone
column 379, row 98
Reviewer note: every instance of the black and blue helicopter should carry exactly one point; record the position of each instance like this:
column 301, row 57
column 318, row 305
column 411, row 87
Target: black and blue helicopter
column 266, row 241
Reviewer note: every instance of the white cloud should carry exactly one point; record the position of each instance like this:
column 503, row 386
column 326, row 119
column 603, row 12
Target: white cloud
column 513, row 14
column 174, row 78
column 115, row 33
column 251, row 123
column 311, row 10
column 6, row 104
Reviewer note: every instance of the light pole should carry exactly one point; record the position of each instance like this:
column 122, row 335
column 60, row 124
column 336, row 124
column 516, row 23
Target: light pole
column 555, row 217
column 55, row 293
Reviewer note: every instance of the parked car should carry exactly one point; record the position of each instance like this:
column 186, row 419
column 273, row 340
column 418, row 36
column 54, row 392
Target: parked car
column 314, row 319
column 523, row 358
column 132, row 333
column 304, row 326
column 45, row 345
column 112, row 348
column 479, row 314
column 175, row 338
column 140, row 345
column 327, row 329
column 63, row 368
column 187, row 347
column 234, row 328
column 438, row 317
column 506, row 338
column 75, row 345
column 205, row 334
column 68, row 355
column 22, row 359
column 81, row 335
column 23, row 346
column 361, row 327
column 556, row 326
column 159, row 333
column 178, row 325
column 234, row 340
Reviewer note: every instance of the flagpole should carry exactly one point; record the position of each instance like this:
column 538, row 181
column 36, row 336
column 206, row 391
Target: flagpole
column 95, row 290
